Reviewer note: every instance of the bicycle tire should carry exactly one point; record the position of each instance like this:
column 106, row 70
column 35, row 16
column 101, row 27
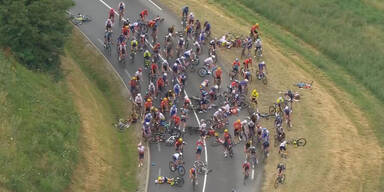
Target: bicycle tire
column 276, row 184
column 301, row 142
column 172, row 166
column 181, row 170
column 202, row 71
column 265, row 81
column 179, row 181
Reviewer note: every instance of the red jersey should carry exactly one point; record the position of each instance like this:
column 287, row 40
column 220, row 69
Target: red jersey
column 236, row 63
column 125, row 31
column 160, row 82
column 237, row 125
column 148, row 104
column 218, row 73
column 133, row 83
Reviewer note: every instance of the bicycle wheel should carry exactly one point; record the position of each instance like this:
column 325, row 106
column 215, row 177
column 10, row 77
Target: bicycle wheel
column 276, row 184
column 172, row 166
column 179, row 181
column 202, row 71
column 181, row 170
column 265, row 81
column 301, row 142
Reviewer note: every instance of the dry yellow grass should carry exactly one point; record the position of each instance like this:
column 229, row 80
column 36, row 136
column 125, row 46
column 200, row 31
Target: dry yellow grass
column 342, row 153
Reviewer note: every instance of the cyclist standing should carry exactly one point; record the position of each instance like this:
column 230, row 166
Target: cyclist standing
column 111, row 15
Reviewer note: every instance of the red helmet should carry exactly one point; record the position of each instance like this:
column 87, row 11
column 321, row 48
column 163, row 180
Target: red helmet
column 111, row 10
column 140, row 69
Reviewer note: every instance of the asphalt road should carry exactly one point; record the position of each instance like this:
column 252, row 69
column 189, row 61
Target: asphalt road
column 227, row 172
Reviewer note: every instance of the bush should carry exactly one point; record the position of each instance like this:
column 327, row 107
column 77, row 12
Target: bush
column 35, row 30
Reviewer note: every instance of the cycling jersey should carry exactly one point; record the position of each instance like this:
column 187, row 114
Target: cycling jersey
column 121, row 6
column 133, row 43
column 147, row 54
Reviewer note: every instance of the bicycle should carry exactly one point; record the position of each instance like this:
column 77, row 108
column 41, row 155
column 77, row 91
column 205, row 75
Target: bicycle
column 108, row 48
column 79, row 19
column 301, row 142
column 122, row 124
column 280, row 179
column 262, row 77
column 246, row 176
column 275, row 109
column 201, row 167
column 179, row 181
column 177, row 167
column 132, row 55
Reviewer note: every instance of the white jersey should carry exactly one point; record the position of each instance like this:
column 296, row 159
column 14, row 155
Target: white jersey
column 176, row 156
column 138, row 74
column 258, row 43
column 121, row 5
column 208, row 61
column 283, row 144
column 227, row 108
column 138, row 99
column 108, row 22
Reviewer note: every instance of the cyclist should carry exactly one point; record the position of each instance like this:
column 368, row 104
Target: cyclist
column 198, row 47
column 236, row 65
column 283, row 146
column 237, row 131
column 246, row 166
column 154, row 68
column 207, row 28
column 287, row 112
column 173, row 110
column 185, row 11
column 262, row 66
column 141, row 151
column 192, row 174
column 121, row 9
column 133, row 84
column 280, row 169
column 252, row 152
column 177, row 158
column 148, row 105
column 122, row 51
column 177, row 89
column 143, row 14
column 209, row 62
column 218, row 74
column 199, row 148
column 280, row 101
column 108, row 25
column 254, row 96
column 120, row 39
column 107, row 38
column 162, row 179
column 134, row 44
column 125, row 31
column 179, row 145
column 111, row 15
column 247, row 62
column 183, row 118
column 164, row 105
column 227, row 143
column 258, row 47
column 191, row 18
column 147, row 55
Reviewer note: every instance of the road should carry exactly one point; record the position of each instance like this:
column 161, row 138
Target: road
column 227, row 172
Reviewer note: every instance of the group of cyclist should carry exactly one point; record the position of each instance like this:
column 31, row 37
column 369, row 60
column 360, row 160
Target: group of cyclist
column 159, row 105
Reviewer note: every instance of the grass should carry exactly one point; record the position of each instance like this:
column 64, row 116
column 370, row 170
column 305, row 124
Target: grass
column 108, row 160
column 328, row 116
column 39, row 130
column 349, row 32
column 361, row 92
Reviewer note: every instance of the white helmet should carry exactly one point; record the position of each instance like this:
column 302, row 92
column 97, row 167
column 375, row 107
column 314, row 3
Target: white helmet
column 213, row 56
column 263, row 62
column 139, row 94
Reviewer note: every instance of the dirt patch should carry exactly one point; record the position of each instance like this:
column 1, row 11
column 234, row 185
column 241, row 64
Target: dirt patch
column 92, row 166
column 340, row 141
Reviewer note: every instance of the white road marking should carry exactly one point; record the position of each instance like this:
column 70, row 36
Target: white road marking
column 155, row 5
column 253, row 173
column 197, row 118
column 160, row 171
column 158, row 147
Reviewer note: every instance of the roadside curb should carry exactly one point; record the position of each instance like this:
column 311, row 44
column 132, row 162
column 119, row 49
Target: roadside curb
column 118, row 75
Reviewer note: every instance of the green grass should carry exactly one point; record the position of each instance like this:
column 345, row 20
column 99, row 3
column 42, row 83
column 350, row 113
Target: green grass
column 349, row 56
column 38, row 126
column 110, row 88
column 349, row 32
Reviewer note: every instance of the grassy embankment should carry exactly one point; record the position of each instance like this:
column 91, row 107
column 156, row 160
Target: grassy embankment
column 327, row 115
column 39, row 130
column 58, row 136
column 108, row 158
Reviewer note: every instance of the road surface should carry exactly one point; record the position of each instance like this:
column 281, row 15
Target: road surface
column 227, row 172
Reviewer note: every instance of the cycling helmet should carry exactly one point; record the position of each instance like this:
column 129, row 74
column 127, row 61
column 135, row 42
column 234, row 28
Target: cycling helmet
column 180, row 139
column 213, row 57
column 133, row 78
column 225, row 130
column 220, row 110
column 216, row 134
column 216, row 87
column 181, row 38
column 263, row 62
column 139, row 144
column 140, row 69
column 237, row 59
column 139, row 94
column 149, row 100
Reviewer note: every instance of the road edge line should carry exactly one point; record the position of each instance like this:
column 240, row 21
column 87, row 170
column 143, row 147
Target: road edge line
column 147, row 145
column 155, row 5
